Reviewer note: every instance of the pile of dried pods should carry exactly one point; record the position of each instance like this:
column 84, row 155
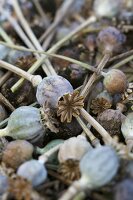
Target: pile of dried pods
column 66, row 100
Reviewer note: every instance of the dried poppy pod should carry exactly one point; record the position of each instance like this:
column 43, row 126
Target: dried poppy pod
column 24, row 123
column 51, row 89
column 107, row 8
column 97, row 167
column 3, row 113
column 33, row 171
column 77, row 146
column 127, row 130
column 115, row 81
column 111, row 120
column 4, row 183
column 110, row 40
column 69, row 160
column 16, row 153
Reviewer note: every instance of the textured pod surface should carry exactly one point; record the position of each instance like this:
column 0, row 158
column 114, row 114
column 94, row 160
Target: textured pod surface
column 127, row 126
column 51, row 89
column 4, row 184
column 111, row 40
column 99, row 166
column 111, row 120
column 73, row 148
column 25, row 123
column 33, row 171
column 3, row 113
column 115, row 81
column 106, row 8
column 16, row 153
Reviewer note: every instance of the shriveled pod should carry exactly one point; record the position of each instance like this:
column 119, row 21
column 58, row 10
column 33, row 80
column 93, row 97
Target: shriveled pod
column 97, row 167
column 33, row 171
column 51, row 89
column 3, row 113
column 107, row 8
column 74, row 148
column 24, row 123
column 127, row 130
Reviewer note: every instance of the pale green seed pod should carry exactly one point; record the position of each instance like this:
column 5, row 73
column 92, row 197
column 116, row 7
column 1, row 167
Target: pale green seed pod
column 99, row 166
column 24, row 123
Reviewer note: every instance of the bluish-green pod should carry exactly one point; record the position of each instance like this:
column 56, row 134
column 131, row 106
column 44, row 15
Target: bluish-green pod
column 24, row 123
column 99, row 166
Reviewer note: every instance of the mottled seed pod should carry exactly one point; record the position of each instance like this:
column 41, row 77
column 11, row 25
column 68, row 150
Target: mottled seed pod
column 110, row 40
column 51, row 89
column 124, row 190
column 16, row 153
column 73, row 148
column 4, row 184
column 115, row 81
column 111, row 120
column 99, row 166
column 33, row 171
column 15, row 55
column 107, row 8
column 24, row 123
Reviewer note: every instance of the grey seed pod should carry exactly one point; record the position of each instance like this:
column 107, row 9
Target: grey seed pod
column 33, row 171
column 4, row 184
column 51, row 89
column 99, row 166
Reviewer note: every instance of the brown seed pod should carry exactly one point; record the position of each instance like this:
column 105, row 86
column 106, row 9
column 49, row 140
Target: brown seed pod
column 3, row 113
column 111, row 120
column 115, row 81
column 16, row 153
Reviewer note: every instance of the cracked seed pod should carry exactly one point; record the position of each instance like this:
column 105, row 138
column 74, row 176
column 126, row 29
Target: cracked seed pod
column 98, row 167
column 73, row 148
column 16, row 153
column 107, row 8
column 102, row 102
column 51, row 89
column 24, row 123
column 111, row 120
column 124, row 190
column 115, row 81
column 110, row 40
column 127, row 130
column 33, row 171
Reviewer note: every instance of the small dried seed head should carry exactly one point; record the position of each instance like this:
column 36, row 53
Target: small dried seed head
column 102, row 102
column 69, row 105
column 16, row 153
column 111, row 120
column 115, row 81
column 70, row 170
column 110, row 40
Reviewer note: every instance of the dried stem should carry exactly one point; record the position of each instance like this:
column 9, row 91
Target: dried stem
column 31, row 35
column 61, row 13
column 95, row 142
column 34, row 79
column 105, row 135
column 86, row 66
column 54, row 48
column 94, row 76
column 5, row 77
column 4, row 101
column 123, row 62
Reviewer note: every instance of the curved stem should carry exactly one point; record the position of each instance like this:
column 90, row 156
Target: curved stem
column 4, row 132
column 34, row 79
column 94, row 76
